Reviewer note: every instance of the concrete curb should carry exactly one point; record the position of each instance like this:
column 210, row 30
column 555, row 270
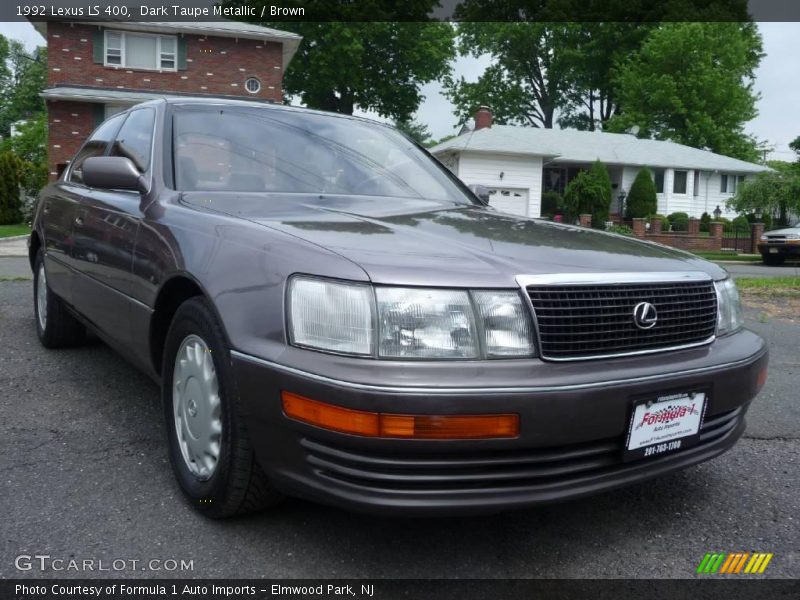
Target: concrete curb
column 13, row 238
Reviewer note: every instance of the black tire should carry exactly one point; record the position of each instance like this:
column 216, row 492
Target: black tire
column 60, row 329
column 237, row 485
column 772, row 260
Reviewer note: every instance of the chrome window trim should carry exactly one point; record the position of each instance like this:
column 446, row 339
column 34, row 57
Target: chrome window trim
column 604, row 279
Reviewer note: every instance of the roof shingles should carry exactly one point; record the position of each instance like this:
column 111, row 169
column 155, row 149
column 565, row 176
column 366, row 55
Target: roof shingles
column 571, row 145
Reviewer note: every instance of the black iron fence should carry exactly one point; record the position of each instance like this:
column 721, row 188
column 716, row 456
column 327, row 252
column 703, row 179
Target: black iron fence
column 737, row 240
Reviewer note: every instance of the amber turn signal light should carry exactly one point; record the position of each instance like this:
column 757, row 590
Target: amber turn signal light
column 762, row 378
column 423, row 427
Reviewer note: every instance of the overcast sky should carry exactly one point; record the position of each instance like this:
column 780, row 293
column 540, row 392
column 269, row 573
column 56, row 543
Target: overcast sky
column 777, row 79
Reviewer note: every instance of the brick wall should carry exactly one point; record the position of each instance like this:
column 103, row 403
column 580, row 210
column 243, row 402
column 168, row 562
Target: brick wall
column 686, row 241
column 214, row 66
column 70, row 123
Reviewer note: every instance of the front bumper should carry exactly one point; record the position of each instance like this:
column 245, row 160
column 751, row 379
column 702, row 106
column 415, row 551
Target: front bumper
column 573, row 418
column 782, row 249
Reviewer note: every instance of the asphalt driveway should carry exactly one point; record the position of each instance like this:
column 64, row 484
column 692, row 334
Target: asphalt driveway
column 83, row 474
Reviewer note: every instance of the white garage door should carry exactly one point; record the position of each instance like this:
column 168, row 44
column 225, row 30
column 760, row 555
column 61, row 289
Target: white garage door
column 509, row 200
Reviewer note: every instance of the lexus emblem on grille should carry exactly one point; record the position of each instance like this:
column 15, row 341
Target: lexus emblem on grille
column 644, row 315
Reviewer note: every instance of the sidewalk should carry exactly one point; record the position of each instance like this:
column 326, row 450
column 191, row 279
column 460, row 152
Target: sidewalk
column 14, row 246
column 14, row 258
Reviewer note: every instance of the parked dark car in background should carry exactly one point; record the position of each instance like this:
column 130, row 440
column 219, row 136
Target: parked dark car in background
column 779, row 244
column 332, row 315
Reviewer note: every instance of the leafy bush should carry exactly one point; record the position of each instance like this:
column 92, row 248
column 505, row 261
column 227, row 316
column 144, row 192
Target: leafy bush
column 620, row 229
column 664, row 221
column 641, row 199
column 740, row 224
column 552, row 204
column 765, row 218
column 589, row 193
column 705, row 220
column 727, row 225
column 679, row 221
column 10, row 201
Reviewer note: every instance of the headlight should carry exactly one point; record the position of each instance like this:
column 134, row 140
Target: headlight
column 425, row 323
column 332, row 316
column 792, row 236
column 506, row 324
column 764, row 238
column 412, row 323
column 729, row 317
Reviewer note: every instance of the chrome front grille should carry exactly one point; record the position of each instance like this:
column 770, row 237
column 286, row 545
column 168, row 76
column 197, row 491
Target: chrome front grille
column 592, row 320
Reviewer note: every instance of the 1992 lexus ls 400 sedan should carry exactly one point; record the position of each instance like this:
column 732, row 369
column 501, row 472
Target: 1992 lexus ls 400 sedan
column 332, row 315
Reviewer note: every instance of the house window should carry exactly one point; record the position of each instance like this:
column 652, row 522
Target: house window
column 728, row 183
column 252, row 85
column 696, row 186
column 659, row 180
column 140, row 50
column 679, row 182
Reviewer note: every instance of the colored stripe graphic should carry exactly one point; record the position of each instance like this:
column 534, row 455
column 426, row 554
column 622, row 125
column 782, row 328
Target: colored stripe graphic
column 734, row 563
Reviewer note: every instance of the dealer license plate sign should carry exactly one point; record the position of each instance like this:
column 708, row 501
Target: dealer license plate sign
column 665, row 424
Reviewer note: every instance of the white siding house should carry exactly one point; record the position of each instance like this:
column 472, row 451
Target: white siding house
column 518, row 164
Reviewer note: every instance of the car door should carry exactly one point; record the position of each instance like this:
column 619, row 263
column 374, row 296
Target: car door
column 105, row 231
column 60, row 207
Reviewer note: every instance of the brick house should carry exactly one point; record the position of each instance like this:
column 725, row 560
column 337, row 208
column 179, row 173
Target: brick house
column 97, row 69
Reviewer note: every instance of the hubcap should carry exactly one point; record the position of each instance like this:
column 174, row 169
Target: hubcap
column 196, row 406
column 41, row 297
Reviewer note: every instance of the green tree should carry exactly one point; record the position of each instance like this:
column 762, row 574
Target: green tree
column 598, row 49
column 22, row 79
column 10, row 205
column 550, row 64
column 378, row 66
column 30, row 146
column 528, row 78
column 589, row 193
column 642, row 201
column 415, row 130
column 776, row 193
column 795, row 145
column 692, row 83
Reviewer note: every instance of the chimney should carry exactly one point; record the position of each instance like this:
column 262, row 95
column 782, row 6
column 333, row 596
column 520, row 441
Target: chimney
column 483, row 118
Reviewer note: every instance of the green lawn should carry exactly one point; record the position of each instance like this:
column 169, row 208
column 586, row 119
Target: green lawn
column 786, row 286
column 735, row 256
column 12, row 230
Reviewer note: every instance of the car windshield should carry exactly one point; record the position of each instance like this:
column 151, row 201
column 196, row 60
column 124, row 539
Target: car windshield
column 269, row 150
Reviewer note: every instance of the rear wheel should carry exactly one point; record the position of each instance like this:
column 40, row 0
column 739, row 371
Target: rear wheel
column 773, row 260
column 209, row 444
column 55, row 325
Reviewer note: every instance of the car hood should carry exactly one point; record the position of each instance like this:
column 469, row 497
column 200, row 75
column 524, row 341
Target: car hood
column 420, row 242
column 784, row 231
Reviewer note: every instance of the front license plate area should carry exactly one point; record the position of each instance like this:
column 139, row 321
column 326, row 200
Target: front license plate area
column 664, row 424
column 773, row 250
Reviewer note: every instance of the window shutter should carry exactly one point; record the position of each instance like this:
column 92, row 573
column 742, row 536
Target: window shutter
column 99, row 112
column 181, row 53
column 98, row 47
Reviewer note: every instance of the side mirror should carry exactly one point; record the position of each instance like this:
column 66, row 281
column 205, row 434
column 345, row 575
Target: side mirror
column 481, row 193
column 112, row 173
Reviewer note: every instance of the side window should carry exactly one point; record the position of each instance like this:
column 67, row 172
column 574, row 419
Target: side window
column 95, row 146
column 135, row 138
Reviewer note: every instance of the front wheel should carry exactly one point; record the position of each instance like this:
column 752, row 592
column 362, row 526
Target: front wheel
column 56, row 327
column 209, row 444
